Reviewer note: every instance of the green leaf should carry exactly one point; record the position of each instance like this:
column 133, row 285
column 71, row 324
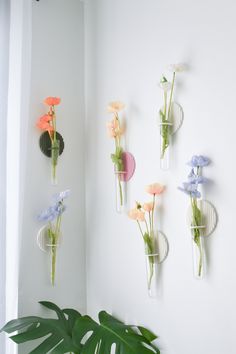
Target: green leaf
column 58, row 332
column 117, row 158
column 147, row 334
column 67, row 333
column 110, row 331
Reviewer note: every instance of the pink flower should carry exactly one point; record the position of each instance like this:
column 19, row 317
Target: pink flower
column 52, row 101
column 155, row 188
column 148, row 206
column 113, row 128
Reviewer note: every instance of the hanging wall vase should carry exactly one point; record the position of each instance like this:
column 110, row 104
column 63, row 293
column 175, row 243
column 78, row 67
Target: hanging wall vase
column 124, row 162
column 170, row 116
column 49, row 236
column 51, row 142
column 155, row 243
column 201, row 216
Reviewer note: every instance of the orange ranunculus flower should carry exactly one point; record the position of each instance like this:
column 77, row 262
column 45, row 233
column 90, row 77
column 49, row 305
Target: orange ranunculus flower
column 52, row 101
column 46, row 118
column 43, row 125
column 155, row 188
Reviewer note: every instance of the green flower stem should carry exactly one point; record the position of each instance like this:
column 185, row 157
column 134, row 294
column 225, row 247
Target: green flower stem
column 120, row 190
column 196, row 221
column 165, row 118
column 54, row 236
column 151, row 269
column 119, row 166
column 54, row 145
column 171, row 95
column 152, row 223
column 164, row 128
column 140, row 229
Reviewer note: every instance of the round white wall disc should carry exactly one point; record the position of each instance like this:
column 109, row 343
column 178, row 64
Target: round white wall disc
column 176, row 117
column 162, row 246
column 43, row 240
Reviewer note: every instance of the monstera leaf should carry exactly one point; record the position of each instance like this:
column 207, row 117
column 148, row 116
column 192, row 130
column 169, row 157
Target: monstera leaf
column 111, row 331
column 60, row 330
column 73, row 333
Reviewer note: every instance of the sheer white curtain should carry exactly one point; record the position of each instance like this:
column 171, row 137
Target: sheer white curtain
column 15, row 32
column 4, row 57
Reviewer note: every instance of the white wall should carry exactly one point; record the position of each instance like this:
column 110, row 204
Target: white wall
column 57, row 70
column 129, row 44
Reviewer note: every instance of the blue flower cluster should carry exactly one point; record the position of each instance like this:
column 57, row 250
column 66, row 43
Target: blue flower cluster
column 194, row 178
column 56, row 209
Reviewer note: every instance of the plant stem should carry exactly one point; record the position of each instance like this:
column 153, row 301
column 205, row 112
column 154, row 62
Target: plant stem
column 120, row 190
column 164, row 128
column 171, row 95
column 140, row 229
column 197, row 218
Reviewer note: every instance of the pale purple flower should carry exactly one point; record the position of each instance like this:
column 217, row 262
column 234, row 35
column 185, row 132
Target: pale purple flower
column 48, row 214
column 190, row 189
column 199, row 161
column 56, row 209
column 196, row 179
column 62, row 195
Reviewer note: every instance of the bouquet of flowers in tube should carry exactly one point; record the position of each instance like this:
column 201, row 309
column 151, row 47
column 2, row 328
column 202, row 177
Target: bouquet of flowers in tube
column 115, row 132
column 165, row 113
column 143, row 214
column 191, row 188
column 47, row 123
column 53, row 217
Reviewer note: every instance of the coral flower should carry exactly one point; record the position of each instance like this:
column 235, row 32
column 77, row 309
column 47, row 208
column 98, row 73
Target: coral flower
column 115, row 107
column 148, row 206
column 43, row 125
column 45, row 118
column 52, row 101
column 155, row 188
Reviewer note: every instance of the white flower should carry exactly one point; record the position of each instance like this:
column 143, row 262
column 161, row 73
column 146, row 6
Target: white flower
column 115, row 107
column 177, row 68
column 165, row 86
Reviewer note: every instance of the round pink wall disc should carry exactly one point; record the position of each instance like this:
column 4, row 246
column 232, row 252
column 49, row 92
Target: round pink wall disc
column 129, row 166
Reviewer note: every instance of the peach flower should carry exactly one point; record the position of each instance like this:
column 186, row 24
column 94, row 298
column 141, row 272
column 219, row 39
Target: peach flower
column 133, row 214
column 113, row 129
column 140, row 216
column 155, row 188
column 115, row 107
column 148, row 206
column 52, row 101
column 136, row 214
